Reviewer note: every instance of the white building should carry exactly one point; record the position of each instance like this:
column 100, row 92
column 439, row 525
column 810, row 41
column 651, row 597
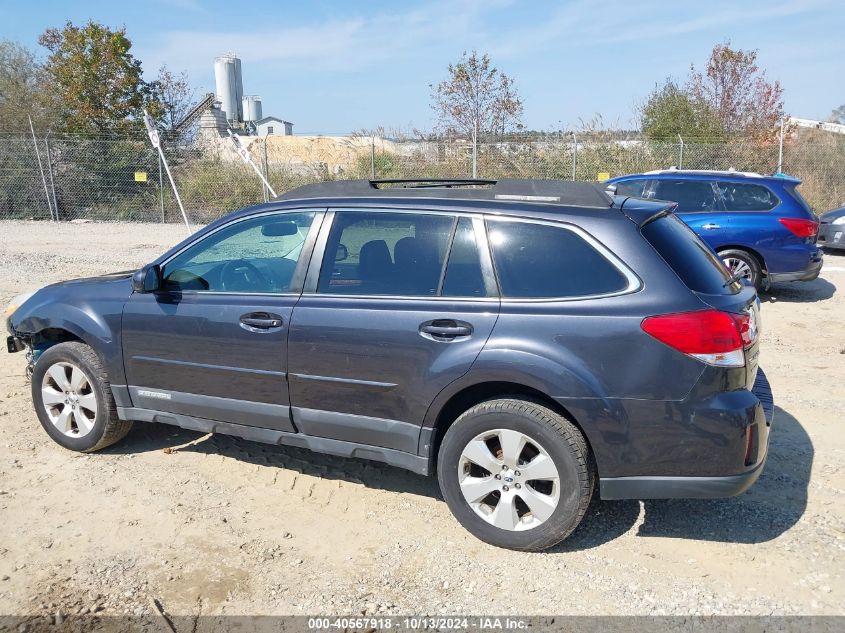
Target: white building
column 273, row 126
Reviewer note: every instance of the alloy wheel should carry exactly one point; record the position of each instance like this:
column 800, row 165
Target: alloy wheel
column 509, row 479
column 69, row 399
column 738, row 267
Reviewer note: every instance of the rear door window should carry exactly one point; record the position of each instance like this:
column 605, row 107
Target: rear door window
column 738, row 196
column 541, row 261
column 690, row 258
column 692, row 196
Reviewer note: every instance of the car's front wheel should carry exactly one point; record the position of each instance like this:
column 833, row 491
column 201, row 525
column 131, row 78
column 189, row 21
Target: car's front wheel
column 743, row 264
column 73, row 399
column 516, row 474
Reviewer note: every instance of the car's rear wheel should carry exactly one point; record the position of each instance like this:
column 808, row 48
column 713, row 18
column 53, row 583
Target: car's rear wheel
column 516, row 474
column 744, row 264
column 73, row 399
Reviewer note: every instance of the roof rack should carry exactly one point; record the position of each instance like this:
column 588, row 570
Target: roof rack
column 422, row 183
column 563, row 192
column 724, row 172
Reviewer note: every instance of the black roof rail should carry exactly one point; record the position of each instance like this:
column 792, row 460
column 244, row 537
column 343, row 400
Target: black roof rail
column 561, row 192
column 411, row 183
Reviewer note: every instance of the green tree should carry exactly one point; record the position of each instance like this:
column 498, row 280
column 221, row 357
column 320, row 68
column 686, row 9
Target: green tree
column 838, row 114
column 99, row 83
column 476, row 97
column 670, row 111
column 23, row 90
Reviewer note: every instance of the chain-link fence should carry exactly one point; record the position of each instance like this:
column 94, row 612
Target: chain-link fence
column 70, row 177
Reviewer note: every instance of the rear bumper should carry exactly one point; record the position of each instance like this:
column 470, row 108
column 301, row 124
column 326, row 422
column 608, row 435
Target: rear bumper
column 679, row 487
column 710, row 487
column 808, row 274
column 831, row 235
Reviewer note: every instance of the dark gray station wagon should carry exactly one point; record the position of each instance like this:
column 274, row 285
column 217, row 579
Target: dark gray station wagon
column 531, row 342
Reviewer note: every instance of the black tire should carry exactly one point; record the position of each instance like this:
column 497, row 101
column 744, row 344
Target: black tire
column 756, row 271
column 560, row 439
column 107, row 428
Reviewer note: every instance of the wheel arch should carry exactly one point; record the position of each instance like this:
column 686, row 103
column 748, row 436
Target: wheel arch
column 56, row 323
column 440, row 418
column 742, row 247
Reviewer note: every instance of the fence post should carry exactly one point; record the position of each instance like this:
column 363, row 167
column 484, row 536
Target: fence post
column 161, row 190
column 574, row 155
column 50, row 169
column 780, row 148
column 372, row 158
column 681, row 157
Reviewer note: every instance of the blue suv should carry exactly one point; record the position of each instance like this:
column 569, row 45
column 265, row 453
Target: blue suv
column 760, row 226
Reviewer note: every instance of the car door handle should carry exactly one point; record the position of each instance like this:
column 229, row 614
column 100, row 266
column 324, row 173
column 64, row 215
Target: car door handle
column 710, row 226
column 261, row 321
column 445, row 329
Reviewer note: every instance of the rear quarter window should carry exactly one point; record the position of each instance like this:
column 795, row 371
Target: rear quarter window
column 630, row 187
column 739, row 196
column 540, row 261
column 690, row 258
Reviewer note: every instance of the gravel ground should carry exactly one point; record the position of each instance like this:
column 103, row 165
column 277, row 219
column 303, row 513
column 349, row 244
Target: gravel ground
column 234, row 527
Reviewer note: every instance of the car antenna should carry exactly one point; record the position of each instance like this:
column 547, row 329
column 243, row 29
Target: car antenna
column 155, row 139
column 243, row 152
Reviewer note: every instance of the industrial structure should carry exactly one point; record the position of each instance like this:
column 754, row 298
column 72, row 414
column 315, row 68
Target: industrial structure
column 236, row 110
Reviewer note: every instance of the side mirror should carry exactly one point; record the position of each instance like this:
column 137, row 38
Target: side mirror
column 147, row 279
column 341, row 253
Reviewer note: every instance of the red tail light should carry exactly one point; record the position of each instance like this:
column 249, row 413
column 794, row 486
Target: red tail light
column 712, row 336
column 801, row 228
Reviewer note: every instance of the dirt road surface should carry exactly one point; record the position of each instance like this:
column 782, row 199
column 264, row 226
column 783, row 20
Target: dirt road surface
column 234, row 527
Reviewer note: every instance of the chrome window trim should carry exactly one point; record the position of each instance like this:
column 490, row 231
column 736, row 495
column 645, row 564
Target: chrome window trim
column 634, row 283
column 404, row 297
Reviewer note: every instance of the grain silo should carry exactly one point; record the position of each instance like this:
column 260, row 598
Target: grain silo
column 252, row 108
column 229, row 86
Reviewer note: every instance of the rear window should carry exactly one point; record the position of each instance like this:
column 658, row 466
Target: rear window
column 690, row 258
column 539, row 261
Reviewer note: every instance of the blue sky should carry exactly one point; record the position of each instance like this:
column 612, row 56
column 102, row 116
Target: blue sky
column 333, row 66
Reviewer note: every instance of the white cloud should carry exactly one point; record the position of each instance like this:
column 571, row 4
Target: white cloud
column 354, row 43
